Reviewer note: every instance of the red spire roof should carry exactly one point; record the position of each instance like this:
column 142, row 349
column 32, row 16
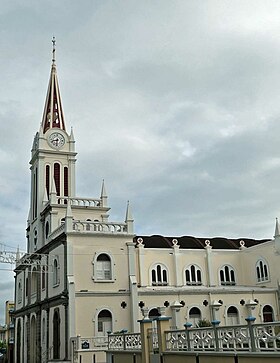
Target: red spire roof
column 53, row 114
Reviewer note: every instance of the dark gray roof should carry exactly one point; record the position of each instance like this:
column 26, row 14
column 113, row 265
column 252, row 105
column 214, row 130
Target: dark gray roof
column 190, row 242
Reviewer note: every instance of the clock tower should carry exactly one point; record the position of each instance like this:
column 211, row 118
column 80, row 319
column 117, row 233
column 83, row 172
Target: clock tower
column 52, row 163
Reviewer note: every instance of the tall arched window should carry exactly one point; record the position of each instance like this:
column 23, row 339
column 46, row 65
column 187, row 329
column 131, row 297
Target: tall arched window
column 56, row 174
column 33, row 340
column 159, row 275
column 227, row 275
column 47, row 181
column 194, row 316
column 43, row 330
column 232, row 316
column 34, row 281
column 26, row 286
column 267, row 313
column 262, row 271
column 35, row 193
column 56, row 335
column 103, row 267
column 66, row 189
column 19, row 345
column 19, row 292
column 43, row 277
column 104, row 323
column 193, row 275
column 55, row 272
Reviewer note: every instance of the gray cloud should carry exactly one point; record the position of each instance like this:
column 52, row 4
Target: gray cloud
column 175, row 104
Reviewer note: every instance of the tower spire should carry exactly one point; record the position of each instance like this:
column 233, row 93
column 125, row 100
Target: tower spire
column 53, row 114
column 53, row 51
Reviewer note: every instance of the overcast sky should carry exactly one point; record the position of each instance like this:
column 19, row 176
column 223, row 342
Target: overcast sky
column 176, row 104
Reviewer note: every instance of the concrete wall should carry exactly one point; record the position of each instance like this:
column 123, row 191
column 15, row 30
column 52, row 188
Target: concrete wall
column 193, row 357
column 124, row 357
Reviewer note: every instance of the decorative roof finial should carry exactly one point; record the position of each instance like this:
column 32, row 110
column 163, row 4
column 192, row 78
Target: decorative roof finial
column 53, row 50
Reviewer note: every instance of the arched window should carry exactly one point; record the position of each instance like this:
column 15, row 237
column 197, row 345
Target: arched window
column 193, row 275
column 194, row 316
column 103, row 267
column 34, row 281
column 18, row 342
column 88, row 225
column 55, row 272
column 33, row 340
column 262, row 271
column 104, row 323
column 66, row 191
column 227, row 275
column 26, row 286
column 19, row 291
column 56, row 335
column 35, row 239
column 159, row 275
column 267, row 313
column 48, row 180
column 57, row 177
column 35, row 193
column 47, row 229
column 154, row 313
column 232, row 316
column 43, row 330
column 43, row 277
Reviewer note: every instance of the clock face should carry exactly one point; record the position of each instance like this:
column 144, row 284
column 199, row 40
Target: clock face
column 56, row 140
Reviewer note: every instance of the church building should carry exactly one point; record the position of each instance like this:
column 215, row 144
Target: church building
column 85, row 275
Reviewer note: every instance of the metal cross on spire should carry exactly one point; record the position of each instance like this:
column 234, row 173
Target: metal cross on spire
column 53, row 50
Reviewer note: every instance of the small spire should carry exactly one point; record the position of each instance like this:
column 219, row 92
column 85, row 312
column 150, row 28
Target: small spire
column 128, row 219
column 53, row 193
column 68, row 217
column 53, row 51
column 72, row 139
column 17, row 255
column 128, row 216
column 45, row 199
column 104, row 196
column 103, row 190
column 277, row 232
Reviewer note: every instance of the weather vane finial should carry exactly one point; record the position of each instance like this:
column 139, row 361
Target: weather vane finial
column 53, row 50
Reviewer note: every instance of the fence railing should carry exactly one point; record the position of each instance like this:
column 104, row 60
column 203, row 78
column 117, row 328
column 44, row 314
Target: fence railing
column 124, row 341
column 251, row 337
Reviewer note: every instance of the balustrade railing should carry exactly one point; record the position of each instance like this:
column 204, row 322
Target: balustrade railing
column 88, row 226
column 101, row 227
column 124, row 341
column 82, row 202
column 254, row 337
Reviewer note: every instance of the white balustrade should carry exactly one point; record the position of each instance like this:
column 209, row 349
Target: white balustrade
column 80, row 202
column 101, row 227
column 266, row 337
column 124, row 341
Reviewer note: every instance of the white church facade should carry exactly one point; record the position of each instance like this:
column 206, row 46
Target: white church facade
column 86, row 275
